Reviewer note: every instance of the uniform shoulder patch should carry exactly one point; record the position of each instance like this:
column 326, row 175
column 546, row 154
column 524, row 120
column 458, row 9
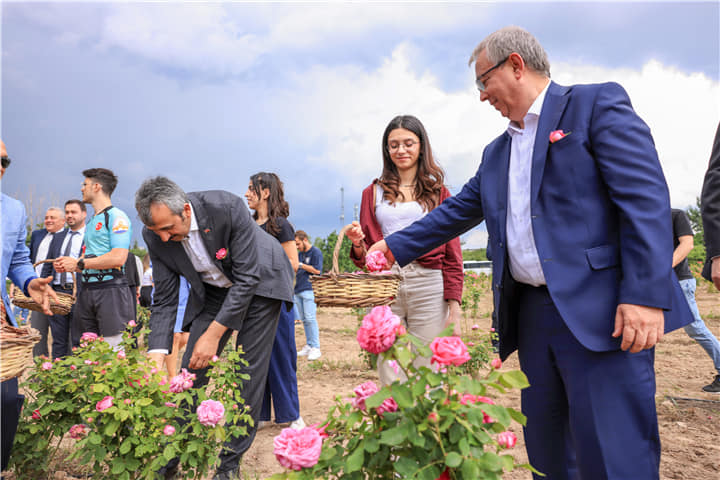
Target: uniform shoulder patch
column 120, row 225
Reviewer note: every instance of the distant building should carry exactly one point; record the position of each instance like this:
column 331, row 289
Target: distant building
column 478, row 266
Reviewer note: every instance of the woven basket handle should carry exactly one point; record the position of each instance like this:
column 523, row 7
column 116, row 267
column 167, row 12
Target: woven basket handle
column 74, row 274
column 335, row 269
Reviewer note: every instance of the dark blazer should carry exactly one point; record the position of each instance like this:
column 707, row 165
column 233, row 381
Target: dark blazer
column 600, row 214
column 710, row 205
column 254, row 262
column 54, row 250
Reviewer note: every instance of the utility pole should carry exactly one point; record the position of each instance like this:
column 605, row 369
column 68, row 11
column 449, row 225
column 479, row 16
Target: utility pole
column 355, row 212
column 342, row 207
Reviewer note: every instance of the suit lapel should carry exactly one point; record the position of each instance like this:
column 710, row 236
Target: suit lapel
column 208, row 231
column 553, row 107
column 502, row 182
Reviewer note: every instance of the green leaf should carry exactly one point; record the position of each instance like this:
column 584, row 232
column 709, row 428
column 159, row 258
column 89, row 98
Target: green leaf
column 507, row 462
column 125, row 446
column 402, row 395
column 144, row 402
column 393, row 436
column 453, row 460
column 517, row 416
column 464, row 446
column 514, row 379
column 111, row 428
column 100, row 388
column 372, row 444
column 375, row 400
column 169, row 452
column 404, row 356
column 406, row 467
column 355, row 460
column 470, row 469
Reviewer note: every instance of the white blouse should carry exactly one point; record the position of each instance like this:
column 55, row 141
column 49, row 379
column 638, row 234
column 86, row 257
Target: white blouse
column 393, row 218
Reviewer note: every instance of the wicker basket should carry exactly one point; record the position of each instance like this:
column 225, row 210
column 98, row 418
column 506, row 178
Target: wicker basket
column 335, row 289
column 61, row 307
column 16, row 344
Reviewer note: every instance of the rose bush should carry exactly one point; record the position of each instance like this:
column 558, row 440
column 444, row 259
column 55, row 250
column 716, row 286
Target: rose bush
column 439, row 424
column 117, row 414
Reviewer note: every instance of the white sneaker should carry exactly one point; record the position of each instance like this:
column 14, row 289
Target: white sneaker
column 314, row 354
column 305, row 350
column 297, row 424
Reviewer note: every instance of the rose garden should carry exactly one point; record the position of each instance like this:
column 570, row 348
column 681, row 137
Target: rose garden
column 104, row 414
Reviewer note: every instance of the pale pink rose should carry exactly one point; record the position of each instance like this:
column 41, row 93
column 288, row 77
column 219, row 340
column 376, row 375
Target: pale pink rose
column 182, row 382
column 168, row 430
column 210, row 412
column 496, row 363
column 449, row 351
column 36, row 415
column 89, row 336
column 121, row 355
column 170, row 404
column 375, row 261
column 363, row 391
column 73, row 367
column 506, row 439
column 388, row 405
column 378, row 330
column 475, row 327
column 46, row 365
column 394, row 365
column 104, row 404
column 214, row 358
column 90, row 419
column 132, row 323
column 78, row 431
column 88, row 362
column 153, row 370
column 298, row 449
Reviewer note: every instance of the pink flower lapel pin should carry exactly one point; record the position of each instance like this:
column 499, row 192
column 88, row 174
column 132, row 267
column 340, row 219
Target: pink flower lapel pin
column 558, row 135
column 220, row 254
column 207, row 230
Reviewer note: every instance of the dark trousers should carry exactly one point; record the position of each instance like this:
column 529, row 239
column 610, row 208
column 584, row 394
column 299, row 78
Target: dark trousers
column 590, row 415
column 281, row 383
column 10, row 403
column 256, row 335
column 40, row 322
column 60, row 326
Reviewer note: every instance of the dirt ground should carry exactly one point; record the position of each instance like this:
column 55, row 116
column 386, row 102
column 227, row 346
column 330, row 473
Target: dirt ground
column 689, row 418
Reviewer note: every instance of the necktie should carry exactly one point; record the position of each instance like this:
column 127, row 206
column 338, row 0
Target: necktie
column 47, row 269
column 64, row 275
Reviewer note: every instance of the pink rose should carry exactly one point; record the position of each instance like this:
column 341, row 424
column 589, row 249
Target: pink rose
column 36, row 415
column 470, row 399
column 78, row 431
column 220, row 254
column 104, row 404
column 210, row 412
column 378, row 330
column 46, row 366
column 496, row 363
column 132, row 323
column 121, row 355
column 214, row 358
column 298, row 449
column 388, row 405
column 557, row 135
column 445, row 475
column 475, row 327
column 433, row 417
column 73, row 367
column 375, row 261
column 90, row 419
column 89, row 336
column 182, row 382
column 394, row 365
column 88, row 362
column 170, row 404
column 363, row 391
column 168, row 430
column 506, row 439
column 449, row 351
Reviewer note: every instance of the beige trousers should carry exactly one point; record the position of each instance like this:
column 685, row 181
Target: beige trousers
column 422, row 308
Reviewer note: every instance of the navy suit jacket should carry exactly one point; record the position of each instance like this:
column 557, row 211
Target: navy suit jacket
column 600, row 213
column 54, row 250
column 710, row 206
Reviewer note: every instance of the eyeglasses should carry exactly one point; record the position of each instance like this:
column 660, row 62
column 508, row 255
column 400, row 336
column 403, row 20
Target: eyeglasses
column 395, row 146
column 5, row 161
column 478, row 81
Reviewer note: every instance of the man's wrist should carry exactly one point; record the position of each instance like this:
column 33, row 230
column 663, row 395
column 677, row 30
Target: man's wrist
column 81, row 264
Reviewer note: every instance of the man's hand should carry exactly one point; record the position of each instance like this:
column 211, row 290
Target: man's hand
column 382, row 246
column 641, row 327
column 40, row 291
column 454, row 313
column 65, row 264
column 158, row 358
column 207, row 346
column 715, row 272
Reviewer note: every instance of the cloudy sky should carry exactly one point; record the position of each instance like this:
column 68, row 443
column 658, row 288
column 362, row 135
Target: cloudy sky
column 209, row 94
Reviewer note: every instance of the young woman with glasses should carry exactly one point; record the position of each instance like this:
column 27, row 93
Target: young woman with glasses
column 411, row 185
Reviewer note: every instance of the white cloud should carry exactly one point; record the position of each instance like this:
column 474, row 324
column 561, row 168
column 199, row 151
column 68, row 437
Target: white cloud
column 475, row 239
column 346, row 109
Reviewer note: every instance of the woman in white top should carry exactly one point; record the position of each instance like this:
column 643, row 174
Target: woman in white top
column 411, row 184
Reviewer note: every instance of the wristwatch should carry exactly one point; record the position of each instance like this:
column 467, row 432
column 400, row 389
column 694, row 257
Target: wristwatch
column 81, row 264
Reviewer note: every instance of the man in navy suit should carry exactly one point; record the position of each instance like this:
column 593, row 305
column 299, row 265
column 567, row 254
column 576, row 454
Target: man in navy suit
column 710, row 208
column 45, row 243
column 578, row 216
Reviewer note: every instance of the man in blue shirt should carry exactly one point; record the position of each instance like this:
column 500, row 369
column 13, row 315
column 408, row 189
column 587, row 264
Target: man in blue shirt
column 311, row 261
column 105, row 305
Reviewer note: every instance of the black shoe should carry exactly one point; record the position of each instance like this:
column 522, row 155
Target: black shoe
column 229, row 475
column 169, row 473
column 714, row 387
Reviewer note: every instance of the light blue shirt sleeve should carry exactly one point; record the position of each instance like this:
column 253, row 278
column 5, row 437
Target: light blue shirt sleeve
column 120, row 230
column 183, row 294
